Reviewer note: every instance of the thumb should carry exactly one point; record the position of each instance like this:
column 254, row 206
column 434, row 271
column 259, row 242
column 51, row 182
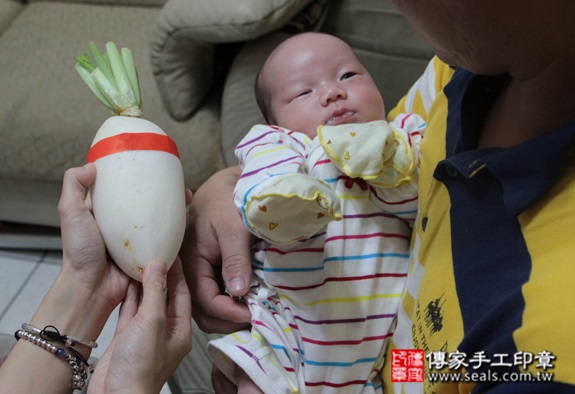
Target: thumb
column 234, row 241
column 155, row 290
column 74, row 185
column 237, row 274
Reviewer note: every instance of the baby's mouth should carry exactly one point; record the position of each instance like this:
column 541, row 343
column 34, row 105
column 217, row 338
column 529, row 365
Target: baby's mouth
column 340, row 117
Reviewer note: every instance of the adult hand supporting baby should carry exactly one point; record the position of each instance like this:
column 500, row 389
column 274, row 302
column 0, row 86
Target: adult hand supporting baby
column 215, row 256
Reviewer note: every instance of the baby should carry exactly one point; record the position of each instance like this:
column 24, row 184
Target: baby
column 329, row 187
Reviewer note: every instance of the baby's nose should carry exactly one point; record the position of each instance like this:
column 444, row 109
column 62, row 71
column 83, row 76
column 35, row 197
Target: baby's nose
column 332, row 93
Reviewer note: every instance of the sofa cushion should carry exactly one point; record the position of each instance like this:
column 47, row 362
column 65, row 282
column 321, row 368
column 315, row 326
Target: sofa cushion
column 375, row 25
column 142, row 3
column 386, row 44
column 310, row 18
column 218, row 21
column 239, row 108
column 9, row 9
column 182, row 45
column 46, row 127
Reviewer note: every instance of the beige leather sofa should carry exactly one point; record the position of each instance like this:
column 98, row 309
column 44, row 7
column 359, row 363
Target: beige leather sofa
column 196, row 59
column 48, row 117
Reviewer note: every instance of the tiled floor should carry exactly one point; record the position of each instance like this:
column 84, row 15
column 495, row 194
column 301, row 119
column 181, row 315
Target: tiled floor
column 25, row 276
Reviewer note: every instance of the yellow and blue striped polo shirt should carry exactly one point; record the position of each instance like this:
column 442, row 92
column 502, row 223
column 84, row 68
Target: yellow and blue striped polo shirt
column 493, row 257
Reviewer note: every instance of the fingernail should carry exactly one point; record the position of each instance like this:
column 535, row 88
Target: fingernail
column 236, row 284
column 158, row 267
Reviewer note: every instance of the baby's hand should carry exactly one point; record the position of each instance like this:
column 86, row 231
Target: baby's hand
column 374, row 151
column 292, row 207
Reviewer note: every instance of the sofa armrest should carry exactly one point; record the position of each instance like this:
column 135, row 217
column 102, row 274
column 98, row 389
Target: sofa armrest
column 186, row 32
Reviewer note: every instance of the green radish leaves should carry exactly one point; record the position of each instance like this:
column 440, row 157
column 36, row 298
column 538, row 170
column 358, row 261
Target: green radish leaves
column 113, row 78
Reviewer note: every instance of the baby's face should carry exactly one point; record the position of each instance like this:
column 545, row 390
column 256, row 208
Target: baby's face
column 316, row 79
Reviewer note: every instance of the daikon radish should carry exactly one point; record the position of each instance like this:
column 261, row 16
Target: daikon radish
column 138, row 197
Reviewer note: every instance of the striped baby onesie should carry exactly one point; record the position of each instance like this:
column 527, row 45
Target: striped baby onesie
column 323, row 306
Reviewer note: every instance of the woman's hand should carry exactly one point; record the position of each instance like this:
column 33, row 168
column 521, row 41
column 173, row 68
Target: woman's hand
column 151, row 338
column 89, row 286
column 215, row 255
column 78, row 303
column 85, row 261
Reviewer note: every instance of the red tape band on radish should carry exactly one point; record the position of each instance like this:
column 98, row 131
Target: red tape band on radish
column 132, row 141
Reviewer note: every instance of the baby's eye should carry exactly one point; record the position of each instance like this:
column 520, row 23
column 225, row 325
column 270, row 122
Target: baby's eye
column 302, row 93
column 348, row 75
column 299, row 95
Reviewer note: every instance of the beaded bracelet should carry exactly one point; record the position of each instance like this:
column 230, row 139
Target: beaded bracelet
column 80, row 367
column 54, row 335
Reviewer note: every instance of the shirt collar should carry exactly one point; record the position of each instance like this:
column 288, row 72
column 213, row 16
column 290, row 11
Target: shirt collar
column 527, row 171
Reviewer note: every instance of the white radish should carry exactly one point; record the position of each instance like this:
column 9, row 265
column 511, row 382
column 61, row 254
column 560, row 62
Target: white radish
column 138, row 197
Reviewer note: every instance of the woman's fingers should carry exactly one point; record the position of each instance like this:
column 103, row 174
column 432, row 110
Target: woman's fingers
column 76, row 182
column 129, row 306
column 153, row 306
column 179, row 323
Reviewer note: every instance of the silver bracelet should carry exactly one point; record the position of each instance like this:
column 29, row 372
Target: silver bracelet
column 67, row 339
column 80, row 368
